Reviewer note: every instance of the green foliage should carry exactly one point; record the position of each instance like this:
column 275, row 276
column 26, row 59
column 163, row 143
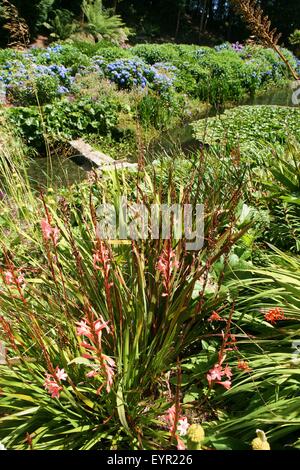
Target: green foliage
column 43, row 9
column 192, row 79
column 9, row 55
column 67, row 55
column 282, row 195
column 218, row 75
column 168, row 52
column 103, row 48
column 158, row 110
column 101, row 24
column 246, row 174
column 61, row 24
column 13, row 180
column 169, row 18
column 153, row 53
column 41, row 89
column 295, row 38
column 63, row 120
column 144, row 324
column 249, row 127
column 268, row 395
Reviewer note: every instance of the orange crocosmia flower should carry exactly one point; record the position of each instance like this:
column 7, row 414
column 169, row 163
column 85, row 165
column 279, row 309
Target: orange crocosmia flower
column 243, row 365
column 215, row 317
column 274, row 314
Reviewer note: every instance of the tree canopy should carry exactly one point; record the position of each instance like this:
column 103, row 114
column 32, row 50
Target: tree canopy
column 188, row 20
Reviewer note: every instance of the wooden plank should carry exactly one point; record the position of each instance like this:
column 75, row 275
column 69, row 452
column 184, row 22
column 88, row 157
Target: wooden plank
column 94, row 156
column 97, row 158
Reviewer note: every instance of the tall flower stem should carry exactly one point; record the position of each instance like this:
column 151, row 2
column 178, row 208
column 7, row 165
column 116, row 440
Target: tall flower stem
column 260, row 25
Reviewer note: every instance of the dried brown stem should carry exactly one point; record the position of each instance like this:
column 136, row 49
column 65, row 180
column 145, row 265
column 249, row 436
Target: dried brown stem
column 260, row 25
column 15, row 25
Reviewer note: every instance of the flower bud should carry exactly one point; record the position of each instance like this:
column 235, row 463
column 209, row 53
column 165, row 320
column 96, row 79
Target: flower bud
column 260, row 442
column 195, row 436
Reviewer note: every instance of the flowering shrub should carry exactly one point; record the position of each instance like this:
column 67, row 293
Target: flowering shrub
column 228, row 72
column 226, row 46
column 65, row 54
column 29, row 83
column 129, row 73
column 41, row 89
column 153, row 53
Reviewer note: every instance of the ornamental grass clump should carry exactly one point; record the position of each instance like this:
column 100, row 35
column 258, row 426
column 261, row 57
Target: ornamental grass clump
column 94, row 324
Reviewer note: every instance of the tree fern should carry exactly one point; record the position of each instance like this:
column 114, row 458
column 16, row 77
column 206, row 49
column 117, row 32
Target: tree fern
column 43, row 8
column 61, row 24
column 100, row 24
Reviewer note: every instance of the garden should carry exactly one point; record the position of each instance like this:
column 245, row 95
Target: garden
column 178, row 340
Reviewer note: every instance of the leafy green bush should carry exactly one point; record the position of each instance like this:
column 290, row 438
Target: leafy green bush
column 265, row 393
column 65, row 54
column 61, row 24
column 64, row 120
column 174, row 53
column 41, row 89
column 281, row 193
column 153, row 53
column 112, row 53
